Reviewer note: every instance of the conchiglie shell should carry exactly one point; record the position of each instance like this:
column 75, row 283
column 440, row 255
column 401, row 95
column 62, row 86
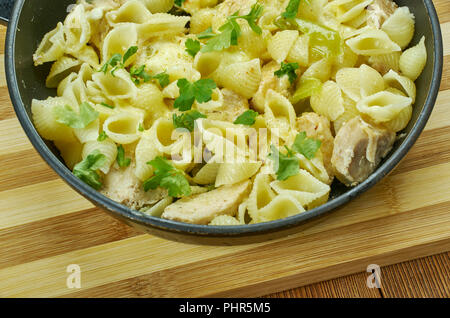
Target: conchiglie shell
column 118, row 86
column 162, row 133
column 133, row 11
column 400, row 26
column 315, row 167
column 251, row 42
column 413, row 60
column 309, row 191
column 150, row 98
column 347, row 10
column 279, row 114
column 162, row 24
column 88, row 55
column 299, row 52
column 372, row 42
column 123, row 127
column 235, row 172
column 207, row 174
column 201, row 20
column 281, row 43
column 224, row 220
column 45, row 121
column 107, row 147
column 158, row 209
column 158, row 6
column 215, row 103
column 282, row 206
column 350, row 111
column 261, row 195
column 383, row 106
column 77, row 30
column 383, row 63
column 145, row 152
column 89, row 133
column 400, row 121
column 51, row 47
column 243, row 78
column 70, row 151
column 60, row 70
column 403, row 83
column 371, row 81
column 359, row 20
column 328, row 102
column 119, row 40
column 320, row 70
column 207, row 62
column 359, row 82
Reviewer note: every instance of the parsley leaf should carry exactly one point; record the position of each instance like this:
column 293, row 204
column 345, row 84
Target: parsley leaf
column 208, row 33
column 306, row 146
column 286, row 165
column 179, row 2
column 289, row 70
column 102, row 136
column 121, row 160
column 65, row 115
column 168, row 177
column 247, row 118
column 231, row 31
column 291, row 9
column 254, row 14
column 163, row 79
column 201, row 91
column 187, row 119
column 86, row 170
column 192, row 47
column 117, row 61
column 141, row 128
column 106, row 105
column 138, row 73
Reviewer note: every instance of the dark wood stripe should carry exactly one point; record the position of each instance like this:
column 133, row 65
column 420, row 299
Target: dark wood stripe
column 348, row 286
column 431, row 148
column 61, row 234
column 188, row 280
column 425, row 277
column 23, row 168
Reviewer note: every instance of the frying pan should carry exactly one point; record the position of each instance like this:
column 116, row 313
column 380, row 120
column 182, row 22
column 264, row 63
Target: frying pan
column 29, row 20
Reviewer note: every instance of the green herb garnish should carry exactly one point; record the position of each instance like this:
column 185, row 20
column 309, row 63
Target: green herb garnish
column 289, row 70
column 121, row 160
column 65, row 115
column 86, row 170
column 187, row 119
column 247, row 118
column 200, row 91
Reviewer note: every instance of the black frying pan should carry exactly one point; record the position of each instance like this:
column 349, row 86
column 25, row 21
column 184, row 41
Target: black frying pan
column 31, row 19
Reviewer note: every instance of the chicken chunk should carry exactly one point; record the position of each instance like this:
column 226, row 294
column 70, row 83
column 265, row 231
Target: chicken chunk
column 233, row 106
column 269, row 81
column 121, row 185
column 203, row 208
column 318, row 127
column 358, row 149
column 379, row 11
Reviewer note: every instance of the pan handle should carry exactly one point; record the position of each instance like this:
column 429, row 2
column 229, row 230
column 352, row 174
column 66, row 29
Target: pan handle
column 5, row 11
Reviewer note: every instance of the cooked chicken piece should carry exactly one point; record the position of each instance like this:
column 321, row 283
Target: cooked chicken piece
column 203, row 208
column 233, row 106
column 379, row 11
column 121, row 185
column 318, row 127
column 358, row 149
column 269, row 81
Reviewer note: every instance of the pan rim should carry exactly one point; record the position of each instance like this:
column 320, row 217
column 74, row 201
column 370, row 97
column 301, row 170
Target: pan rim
column 120, row 210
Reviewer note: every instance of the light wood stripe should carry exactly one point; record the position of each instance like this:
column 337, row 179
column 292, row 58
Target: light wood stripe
column 445, row 29
column 443, row 10
column 12, row 137
column 57, row 199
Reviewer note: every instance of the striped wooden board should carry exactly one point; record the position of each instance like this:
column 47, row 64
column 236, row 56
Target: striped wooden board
column 45, row 226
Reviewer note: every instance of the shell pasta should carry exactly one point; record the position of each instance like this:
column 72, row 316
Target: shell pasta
column 227, row 112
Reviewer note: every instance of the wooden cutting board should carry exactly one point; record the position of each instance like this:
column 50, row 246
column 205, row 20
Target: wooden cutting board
column 45, row 226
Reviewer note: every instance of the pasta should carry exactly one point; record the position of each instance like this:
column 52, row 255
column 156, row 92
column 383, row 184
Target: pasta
column 228, row 112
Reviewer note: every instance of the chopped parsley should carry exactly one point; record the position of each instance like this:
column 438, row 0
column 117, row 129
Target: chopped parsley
column 287, row 165
column 200, row 91
column 230, row 31
column 168, row 177
column 65, row 115
column 179, row 2
column 138, row 73
column 187, row 119
column 289, row 70
column 102, row 137
column 192, row 47
column 291, row 9
column 247, row 118
column 106, row 105
column 86, row 170
column 117, row 61
column 208, row 33
column 121, row 160
column 162, row 78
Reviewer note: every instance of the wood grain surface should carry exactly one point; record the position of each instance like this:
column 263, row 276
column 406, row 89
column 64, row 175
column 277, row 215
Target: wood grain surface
column 45, row 226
